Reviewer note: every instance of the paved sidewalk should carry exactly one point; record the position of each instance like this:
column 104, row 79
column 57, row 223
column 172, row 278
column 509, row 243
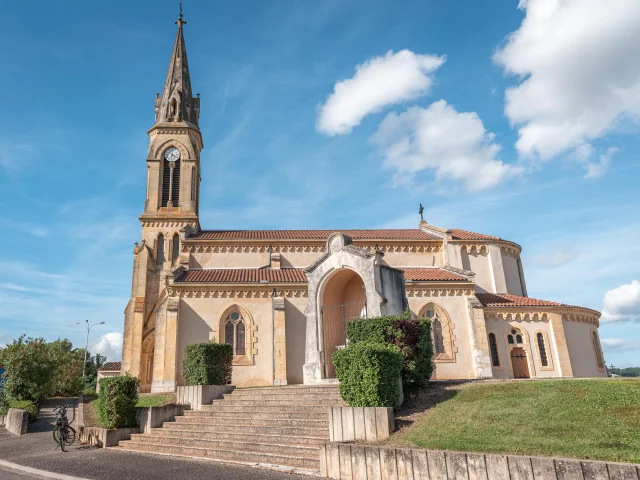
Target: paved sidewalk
column 38, row 450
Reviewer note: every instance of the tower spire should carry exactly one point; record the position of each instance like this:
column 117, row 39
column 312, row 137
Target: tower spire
column 177, row 103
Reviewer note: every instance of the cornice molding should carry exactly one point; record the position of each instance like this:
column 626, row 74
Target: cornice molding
column 541, row 314
column 262, row 247
column 418, row 291
column 240, row 291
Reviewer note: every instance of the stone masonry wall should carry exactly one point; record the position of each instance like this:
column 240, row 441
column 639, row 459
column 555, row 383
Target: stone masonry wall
column 359, row 462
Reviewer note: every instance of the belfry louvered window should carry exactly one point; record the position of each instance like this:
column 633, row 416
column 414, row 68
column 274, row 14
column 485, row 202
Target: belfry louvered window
column 170, row 184
column 160, row 250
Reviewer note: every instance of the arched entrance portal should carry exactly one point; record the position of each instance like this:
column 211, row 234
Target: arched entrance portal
column 343, row 298
column 519, row 363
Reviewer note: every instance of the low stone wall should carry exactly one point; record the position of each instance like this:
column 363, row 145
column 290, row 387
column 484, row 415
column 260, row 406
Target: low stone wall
column 17, row 421
column 360, row 462
column 198, row 395
column 371, row 424
column 154, row 417
column 103, row 437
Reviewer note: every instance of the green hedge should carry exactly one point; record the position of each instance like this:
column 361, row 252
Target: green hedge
column 27, row 405
column 369, row 374
column 411, row 336
column 207, row 364
column 116, row 404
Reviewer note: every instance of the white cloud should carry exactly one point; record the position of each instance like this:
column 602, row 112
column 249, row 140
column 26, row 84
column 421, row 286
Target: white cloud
column 378, row 82
column 617, row 345
column 580, row 73
column 453, row 144
column 553, row 259
column 109, row 345
column 622, row 303
column 594, row 170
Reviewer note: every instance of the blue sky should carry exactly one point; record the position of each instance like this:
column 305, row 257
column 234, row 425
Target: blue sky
column 516, row 122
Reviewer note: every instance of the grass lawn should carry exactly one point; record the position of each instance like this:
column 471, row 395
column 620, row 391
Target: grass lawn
column 155, row 400
column 587, row 419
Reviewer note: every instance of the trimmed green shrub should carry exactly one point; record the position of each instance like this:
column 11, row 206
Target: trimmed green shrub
column 411, row 336
column 369, row 374
column 207, row 364
column 116, row 404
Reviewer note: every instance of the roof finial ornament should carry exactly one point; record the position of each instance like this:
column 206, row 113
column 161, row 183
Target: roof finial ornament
column 180, row 21
column 421, row 212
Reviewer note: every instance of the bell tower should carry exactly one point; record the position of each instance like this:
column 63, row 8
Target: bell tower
column 170, row 212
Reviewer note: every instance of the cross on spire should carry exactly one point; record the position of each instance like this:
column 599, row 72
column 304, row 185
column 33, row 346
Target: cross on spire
column 180, row 21
column 420, row 212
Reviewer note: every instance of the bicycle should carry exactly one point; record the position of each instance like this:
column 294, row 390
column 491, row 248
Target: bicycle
column 63, row 434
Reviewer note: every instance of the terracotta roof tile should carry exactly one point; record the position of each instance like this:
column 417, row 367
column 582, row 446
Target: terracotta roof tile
column 397, row 234
column 243, row 275
column 431, row 274
column 508, row 300
column 294, row 275
column 111, row 367
column 458, row 234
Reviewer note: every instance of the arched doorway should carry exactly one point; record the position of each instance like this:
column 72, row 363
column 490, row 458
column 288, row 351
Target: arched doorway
column 342, row 298
column 519, row 363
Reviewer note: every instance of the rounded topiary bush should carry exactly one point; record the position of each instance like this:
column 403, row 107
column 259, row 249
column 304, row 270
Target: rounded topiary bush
column 116, row 404
column 207, row 364
column 369, row 374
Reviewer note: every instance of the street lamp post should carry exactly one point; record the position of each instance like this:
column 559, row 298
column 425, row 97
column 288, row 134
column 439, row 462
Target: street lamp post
column 86, row 348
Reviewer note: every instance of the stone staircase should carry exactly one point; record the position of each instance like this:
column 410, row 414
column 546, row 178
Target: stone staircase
column 265, row 425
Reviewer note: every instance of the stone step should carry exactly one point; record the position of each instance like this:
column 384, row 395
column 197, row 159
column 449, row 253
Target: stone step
column 303, row 397
column 286, row 392
column 265, row 428
column 281, row 415
column 225, row 455
column 289, row 388
column 240, row 421
column 224, row 407
column 286, row 439
column 277, row 403
column 215, row 443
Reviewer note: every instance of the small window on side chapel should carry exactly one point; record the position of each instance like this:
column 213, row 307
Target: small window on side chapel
column 493, row 349
column 235, row 333
column 514, row 335
column 544, row 361
column 438, row 337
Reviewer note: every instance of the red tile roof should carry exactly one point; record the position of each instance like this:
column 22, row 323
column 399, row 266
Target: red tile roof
column 458, row 234
column 431, row 274
column 243, row 275
column 397, row 234
column 294, row 275
column 508, row 300
column 111, row 367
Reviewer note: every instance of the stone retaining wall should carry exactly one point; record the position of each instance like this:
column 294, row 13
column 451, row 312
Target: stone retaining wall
column 154, row 417
column 198, row 395
column 17, row 421
column 103, row 437
column 370, row 424
column 360, row 462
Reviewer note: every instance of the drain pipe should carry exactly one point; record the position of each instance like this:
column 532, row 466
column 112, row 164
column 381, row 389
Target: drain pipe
column 273, row 334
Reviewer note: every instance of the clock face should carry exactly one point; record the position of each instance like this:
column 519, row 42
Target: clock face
column 172, row 154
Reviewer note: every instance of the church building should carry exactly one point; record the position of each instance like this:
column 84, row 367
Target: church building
column 281, row 297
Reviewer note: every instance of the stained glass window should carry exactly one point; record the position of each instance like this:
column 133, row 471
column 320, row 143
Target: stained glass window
column 493, row 346
column 543, row 350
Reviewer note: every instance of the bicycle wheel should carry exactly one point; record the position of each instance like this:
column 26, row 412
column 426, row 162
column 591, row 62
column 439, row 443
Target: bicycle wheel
column 71, row 436
column 60, row 434
column 56, row 436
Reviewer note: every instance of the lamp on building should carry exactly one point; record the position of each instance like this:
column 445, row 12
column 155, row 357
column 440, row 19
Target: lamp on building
column 86, row 348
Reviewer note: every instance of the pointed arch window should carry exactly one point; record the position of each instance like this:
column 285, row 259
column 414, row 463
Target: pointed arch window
column 542, row 349
column 493, row 350
column 441, row 332
column 160, row 250
column 235, row 333
column 175, row 248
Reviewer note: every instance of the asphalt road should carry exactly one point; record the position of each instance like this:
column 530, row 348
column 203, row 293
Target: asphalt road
column 10, row 474
column 38, row 450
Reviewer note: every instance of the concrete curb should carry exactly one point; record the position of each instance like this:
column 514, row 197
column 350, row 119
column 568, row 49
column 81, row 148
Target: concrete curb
column 35, row 471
